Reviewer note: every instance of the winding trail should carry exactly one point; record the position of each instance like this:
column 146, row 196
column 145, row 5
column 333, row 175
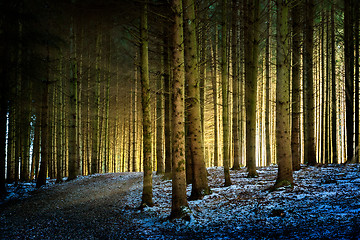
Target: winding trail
column 96, row 207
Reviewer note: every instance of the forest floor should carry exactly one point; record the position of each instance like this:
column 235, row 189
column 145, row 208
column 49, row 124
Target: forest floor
column 323, row 204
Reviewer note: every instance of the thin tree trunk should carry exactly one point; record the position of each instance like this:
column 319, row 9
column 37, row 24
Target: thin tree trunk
column 168, row 114
column 59, row 132
column 225, row 95
column 268, row 79
column 160, row 164
column 333, row 88
column 41, row 181
column 296, row 86
column 356, row 63
column 96, row 109
column 134, row 122
column 215, row 101
column 73, row 149
column 3, row 121
column 236, row 79
column 36, row 146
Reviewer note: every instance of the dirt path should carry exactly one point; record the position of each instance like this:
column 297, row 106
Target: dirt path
column 95, row 207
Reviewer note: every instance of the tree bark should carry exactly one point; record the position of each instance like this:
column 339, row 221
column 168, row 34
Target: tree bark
column 73, row 149
column 267, row 87
column 296, row 86
column 179, row 208
column 333, row 88
column 146, row 107
column 236, row 80
column 199, row 176
column 251, row 61
column 283, row 134
column 309, row 107
column 225, row 95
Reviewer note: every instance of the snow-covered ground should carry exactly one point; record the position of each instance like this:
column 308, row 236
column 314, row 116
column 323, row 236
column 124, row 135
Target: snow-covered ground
column 323, row 204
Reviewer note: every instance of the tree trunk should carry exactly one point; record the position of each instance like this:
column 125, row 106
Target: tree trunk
column 167, row 112
column 283, row 134
column 41, row 181
column 199, row 176
column 134, row 122
column 236, row 80
column 160, row 164
column 3, row 122
column 309, row 107
column 179, row 208
column 356, row 63
column 36, row 146
column 59, row 132
column 146, row 106
column 215, row 100
column 296, row 86
column 251, row 61
column 225, row 95
column 267, row 87
column 96, row 109
column 333, row 87
column 73, row 150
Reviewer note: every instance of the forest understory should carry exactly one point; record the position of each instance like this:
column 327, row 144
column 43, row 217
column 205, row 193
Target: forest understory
column 323, row 204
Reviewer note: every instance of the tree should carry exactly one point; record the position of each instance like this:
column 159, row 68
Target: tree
column 41, row 181
column 179, row 207
column 349, row 77
column 296, row 86
column 251, row 62
column 167, row 104
column 236, row 80
column 199, row 175
column 225, row 95
column 160, row 164
column 145, row 100
column 333, row 87
column 96, row 113
column 309, row 107
column 3, row 111
column 283, row 133
column 215, row 100
column 268, row 79
column 73, row 130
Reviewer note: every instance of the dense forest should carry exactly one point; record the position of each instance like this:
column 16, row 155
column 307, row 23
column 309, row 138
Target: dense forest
column 175, row 87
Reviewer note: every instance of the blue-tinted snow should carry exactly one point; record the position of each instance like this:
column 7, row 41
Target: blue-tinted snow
column 324, row 203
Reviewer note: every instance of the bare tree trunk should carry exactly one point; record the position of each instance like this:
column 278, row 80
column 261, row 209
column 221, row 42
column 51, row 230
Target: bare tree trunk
column 199, row 175
column 296, row 86
column 236, row 79
column 309, row 107
column 333, row 87
column 225, row 95
column 179, row 208
column 146, row 107
column 73, row 149
column 160, row 164
column 283, row 134
column 215, row 101
column 251, row 61
column 267, row 87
